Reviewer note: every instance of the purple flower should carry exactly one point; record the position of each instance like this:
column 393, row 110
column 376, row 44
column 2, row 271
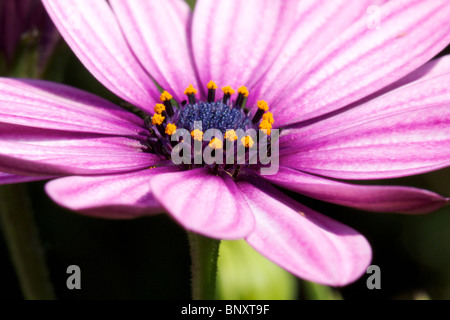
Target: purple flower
column 352, row 102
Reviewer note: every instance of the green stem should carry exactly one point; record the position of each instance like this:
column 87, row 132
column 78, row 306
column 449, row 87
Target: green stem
column 23, row 242
column 204, row 254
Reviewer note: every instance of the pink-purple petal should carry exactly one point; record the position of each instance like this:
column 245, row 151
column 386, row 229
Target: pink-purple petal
column 362, row 60
column 371, row 198
column 427, row 85
column 59, row 153
column 118, row 196
column 48, row 105
column 304, row 242
column 234, row 42
column 405, row 143
column 204, row 203
column 93, row 33
column 6, row 178
column 435, row 68
column 157, row 33
column 318, row 23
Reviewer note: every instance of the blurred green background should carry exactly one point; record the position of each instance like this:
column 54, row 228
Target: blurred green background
column 148, row 258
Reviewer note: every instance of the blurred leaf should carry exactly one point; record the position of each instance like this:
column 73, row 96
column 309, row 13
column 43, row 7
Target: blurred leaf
column 314, row 291
column 191, row 3
column 56, row 64
column 243, row 274
column 26, row 56
column 421, row 295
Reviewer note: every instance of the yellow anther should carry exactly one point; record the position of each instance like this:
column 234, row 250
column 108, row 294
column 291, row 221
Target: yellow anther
column 243, row 90
column 197, row 135
column 165, row 96
column 171, row 129
column 263, row 105
column 190, row 90
column 231, row 135
column 216, row 144
column 157, row 119
column 228, row 90
column 159, row 108
column 266, row 127
column 247, row 142
column 211, row 85
column 268, row 116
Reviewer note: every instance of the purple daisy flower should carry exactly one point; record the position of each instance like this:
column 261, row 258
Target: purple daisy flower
column 351, row 102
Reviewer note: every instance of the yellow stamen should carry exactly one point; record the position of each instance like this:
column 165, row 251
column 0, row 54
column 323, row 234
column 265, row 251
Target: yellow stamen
column 197, row 135
column 159, row 108
column 268, row 116
column 244, row 91
column 247, row 142
column 228, row 90
column 211, row 85
column 266, row 127
column 157, row 119
column 190, row 90
column 231, row 135
column 171, row 129
column 216, row 144
column 263, row 105
column 165, row 96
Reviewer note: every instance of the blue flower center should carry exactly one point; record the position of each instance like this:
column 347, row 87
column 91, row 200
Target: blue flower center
column 175, row 133
column 213, row 115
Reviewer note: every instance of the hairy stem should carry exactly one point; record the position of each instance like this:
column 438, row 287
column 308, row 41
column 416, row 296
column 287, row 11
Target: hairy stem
column 21, row 236
column 204, row 254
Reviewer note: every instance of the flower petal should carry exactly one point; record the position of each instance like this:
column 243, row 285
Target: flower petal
column 49, row 105
column 405, row 143
column 304, row 242
column 319, row 22
column 362, row 61
column 234, row 42
column 204, row 203
column 157, row 32
column 28, row 151
column 371, row 198
column 425, row 86
column 434, row 68
column 93, row 33
column 6, row 178
column 116, row 196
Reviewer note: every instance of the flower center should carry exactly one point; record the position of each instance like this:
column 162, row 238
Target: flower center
column 221, row 135
column 212, row 115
